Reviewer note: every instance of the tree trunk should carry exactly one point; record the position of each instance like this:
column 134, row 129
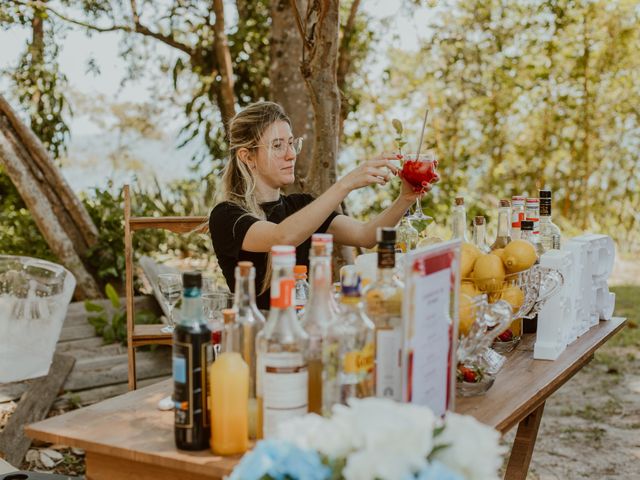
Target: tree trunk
column 320, row 29
column 226, row 96
column 61, row 218
column 287, row 85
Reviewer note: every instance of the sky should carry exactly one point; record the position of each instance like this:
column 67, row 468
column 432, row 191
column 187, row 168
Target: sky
column 90, row 143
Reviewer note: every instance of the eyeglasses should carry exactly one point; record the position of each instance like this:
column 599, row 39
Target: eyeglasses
column 280, row 147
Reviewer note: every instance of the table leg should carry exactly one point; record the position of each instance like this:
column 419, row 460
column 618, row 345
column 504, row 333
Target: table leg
column 522, row 449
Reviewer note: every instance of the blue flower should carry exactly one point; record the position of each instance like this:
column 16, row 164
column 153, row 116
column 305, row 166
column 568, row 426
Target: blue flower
column 435, row 471
column 280, row 460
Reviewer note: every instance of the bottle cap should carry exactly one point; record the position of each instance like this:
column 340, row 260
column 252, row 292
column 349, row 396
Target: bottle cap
column 244, row 267
column 533, row 201
column 228, row 315
column 283, row 255
column 545, row 193
column 505, row 203
column 459, row 201
column 479, row 220
column 386, row 235
column 322, row 238
column 518, row 200
column 526, row 225
column 192, row 280
column 300, row 269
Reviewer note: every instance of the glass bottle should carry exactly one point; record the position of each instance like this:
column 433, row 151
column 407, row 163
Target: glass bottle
column 527, row 234
column 192, row 355
column 517, row 215
column 318, row 315
column 351, row 341
column 532, row 213
column 384, row 307
column 408, row 236
column 549, row 232
column 282, row 379
column 459, row 220
column 503, row 237
column 229, row 380
column 479, row 234
column 250, row 321
column 302, row 289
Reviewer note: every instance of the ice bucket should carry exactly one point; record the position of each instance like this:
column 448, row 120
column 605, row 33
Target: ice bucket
column 34, row 296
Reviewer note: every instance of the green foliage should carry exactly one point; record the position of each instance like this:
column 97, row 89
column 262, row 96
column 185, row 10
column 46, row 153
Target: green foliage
column 112, row 325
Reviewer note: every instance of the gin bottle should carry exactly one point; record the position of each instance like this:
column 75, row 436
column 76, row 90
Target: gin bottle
column 549, row 231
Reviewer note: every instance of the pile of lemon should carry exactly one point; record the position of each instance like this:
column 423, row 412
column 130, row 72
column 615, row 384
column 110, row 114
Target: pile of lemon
column 492, row 273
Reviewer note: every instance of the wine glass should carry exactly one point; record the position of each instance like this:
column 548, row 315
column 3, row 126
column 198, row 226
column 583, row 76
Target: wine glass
column 171, row 288
column 420, row 172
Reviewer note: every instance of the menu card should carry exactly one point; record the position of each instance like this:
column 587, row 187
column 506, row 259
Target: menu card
column 429, row 319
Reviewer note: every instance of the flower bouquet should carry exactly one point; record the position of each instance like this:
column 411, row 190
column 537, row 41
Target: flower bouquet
column 373, row 439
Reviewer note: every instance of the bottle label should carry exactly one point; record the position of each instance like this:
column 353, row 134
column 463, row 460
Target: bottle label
column 358, row 361
column 555, row 241
column 182, row 385
column 206, row 359
column 545, row 207
column 386, row 256
column 285, row 384
column 389, row 364
column 536, row 224
column 516, row 218
column 283, row 293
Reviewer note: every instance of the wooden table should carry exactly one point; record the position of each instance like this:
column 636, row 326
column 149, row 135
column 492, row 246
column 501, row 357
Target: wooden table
column 127, row 437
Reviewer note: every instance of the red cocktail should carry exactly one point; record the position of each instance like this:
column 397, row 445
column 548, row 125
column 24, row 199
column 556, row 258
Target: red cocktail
column 420, row 173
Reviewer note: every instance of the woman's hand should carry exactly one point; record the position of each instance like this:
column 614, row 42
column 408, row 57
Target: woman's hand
column 379, row 170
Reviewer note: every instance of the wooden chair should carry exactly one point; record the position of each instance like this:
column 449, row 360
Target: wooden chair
column 139, row 335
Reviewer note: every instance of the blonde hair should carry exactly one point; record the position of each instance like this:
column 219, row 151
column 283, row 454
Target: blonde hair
column 238, row 183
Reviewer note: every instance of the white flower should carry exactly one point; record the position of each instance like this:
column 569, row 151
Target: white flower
column 387, row 465
column 331, row 437
column 474, row 450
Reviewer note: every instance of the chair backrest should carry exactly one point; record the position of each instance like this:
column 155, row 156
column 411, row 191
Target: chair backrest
column 197, row 224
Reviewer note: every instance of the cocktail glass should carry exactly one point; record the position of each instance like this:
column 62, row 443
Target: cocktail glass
column 420, row 172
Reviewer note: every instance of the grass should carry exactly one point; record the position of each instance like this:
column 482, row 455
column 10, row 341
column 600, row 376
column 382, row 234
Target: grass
column 627, row 305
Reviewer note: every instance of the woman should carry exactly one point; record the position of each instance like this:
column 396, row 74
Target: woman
column 254, row 215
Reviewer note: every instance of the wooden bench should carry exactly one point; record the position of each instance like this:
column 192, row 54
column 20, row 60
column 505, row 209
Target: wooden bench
column 128, row 437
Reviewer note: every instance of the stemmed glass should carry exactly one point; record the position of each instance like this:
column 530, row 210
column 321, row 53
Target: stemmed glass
column 420, row 172
column 171, row 288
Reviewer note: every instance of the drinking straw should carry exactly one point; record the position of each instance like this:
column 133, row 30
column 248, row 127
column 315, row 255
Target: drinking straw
column 424, row 125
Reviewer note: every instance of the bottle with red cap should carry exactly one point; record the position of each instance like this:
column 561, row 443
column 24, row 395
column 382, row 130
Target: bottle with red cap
column 282, row 377
column 302, row 289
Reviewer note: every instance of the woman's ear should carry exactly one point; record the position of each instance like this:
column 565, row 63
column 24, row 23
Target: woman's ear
column 246, row 156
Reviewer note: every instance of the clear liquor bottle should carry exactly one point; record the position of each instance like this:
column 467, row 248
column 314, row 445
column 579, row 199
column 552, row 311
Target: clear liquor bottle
column 351, row 342
column 549, row 232
column 250, row 322
column 408, row 236
column 532, row 214
column 479, row 234
column 459, row 220
column 282, row 379
column 517, row 215
column 503, row 237
column 384, row 307
column 318, row 315
column 528, row 234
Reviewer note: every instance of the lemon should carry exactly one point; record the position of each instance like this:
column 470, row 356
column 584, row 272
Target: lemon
column 468, row 255
column 468, row 288
column 488, row 273
column 498, row 252
column 514, row 296
column 518, row 256
column 466, row 314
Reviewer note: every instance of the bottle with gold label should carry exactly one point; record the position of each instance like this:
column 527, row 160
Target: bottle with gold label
column 384, row 307
column 351, row 341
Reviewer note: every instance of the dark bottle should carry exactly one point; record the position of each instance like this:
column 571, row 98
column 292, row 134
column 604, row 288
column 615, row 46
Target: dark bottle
column 192, row 354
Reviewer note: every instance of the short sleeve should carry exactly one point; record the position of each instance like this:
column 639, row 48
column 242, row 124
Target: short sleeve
column 228, row 225
column 301, row 200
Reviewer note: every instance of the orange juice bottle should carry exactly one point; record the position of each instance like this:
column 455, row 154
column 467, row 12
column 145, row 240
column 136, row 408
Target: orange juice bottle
column 229, row 384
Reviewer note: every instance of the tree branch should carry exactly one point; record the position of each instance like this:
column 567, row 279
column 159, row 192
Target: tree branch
column 296, row 15
column 223, row 56
column 136, row 28
column 344, row 55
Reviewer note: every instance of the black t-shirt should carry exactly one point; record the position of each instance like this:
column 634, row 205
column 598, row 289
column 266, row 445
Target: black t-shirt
column 229, row 223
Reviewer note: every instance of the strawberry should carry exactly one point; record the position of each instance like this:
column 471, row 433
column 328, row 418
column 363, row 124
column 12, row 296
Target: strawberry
column 468, row 375
column 506, row 336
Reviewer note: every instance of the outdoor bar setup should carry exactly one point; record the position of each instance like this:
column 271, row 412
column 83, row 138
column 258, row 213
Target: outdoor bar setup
column 361, row 378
